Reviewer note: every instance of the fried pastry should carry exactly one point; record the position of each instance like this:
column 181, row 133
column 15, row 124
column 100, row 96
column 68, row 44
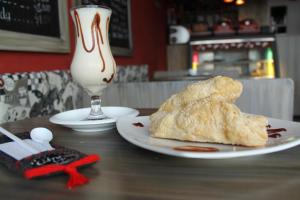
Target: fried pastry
column 213, row 118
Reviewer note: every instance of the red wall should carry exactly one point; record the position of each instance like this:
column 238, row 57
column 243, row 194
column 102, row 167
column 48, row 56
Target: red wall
column 149, row 35
column 149, row 44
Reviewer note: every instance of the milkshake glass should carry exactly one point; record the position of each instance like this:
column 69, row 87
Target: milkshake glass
column 93, row 66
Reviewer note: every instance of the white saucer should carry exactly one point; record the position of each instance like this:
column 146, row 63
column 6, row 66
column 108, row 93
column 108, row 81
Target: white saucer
column 77, row 119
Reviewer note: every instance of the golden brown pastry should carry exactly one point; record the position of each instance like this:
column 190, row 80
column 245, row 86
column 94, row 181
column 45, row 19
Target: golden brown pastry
column 211, row 119
column 220, row 87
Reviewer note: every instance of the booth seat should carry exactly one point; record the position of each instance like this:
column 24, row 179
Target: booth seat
column 32, row 94
column 44, row 93
column 269, row 97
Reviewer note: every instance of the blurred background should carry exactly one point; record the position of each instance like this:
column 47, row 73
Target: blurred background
column 176, row 39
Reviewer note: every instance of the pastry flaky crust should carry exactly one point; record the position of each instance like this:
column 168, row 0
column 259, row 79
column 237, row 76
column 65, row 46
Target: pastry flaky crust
column 220, row 88
column 213, row 118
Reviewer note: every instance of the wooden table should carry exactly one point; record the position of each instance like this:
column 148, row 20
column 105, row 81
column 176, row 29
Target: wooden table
column 129, row 172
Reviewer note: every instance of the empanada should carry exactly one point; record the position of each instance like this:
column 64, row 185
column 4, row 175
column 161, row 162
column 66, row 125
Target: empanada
column 204, row 112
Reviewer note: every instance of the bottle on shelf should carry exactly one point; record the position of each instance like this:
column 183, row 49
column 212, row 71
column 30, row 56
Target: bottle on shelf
column 269, row 63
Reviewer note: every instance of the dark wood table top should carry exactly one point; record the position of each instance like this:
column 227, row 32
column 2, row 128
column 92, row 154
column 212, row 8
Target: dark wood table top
column 129, row 172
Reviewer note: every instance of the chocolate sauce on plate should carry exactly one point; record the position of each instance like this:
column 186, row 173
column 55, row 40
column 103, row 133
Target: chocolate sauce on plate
column 274, row 132
column 138, row 124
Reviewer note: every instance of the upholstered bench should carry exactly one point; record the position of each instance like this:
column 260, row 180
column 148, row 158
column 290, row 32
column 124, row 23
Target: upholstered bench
column 33, row 94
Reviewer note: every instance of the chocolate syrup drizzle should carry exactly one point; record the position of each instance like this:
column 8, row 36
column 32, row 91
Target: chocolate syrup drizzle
column 110, row 79
column 138, row 124
column 275, row 132
column 95, row 27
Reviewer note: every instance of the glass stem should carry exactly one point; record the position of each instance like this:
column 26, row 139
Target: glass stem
column 96, row 111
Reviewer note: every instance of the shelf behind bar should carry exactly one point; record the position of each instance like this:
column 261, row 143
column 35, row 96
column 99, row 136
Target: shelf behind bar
column 231, row 39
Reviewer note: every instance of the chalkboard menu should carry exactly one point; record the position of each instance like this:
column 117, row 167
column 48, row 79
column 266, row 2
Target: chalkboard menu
column 120, row 28
column 40, row 17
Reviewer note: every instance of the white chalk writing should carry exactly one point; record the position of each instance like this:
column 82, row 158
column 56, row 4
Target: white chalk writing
column 4, row 14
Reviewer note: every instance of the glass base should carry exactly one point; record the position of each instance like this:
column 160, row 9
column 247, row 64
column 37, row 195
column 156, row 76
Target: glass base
column 96, row 117
column 96, row 111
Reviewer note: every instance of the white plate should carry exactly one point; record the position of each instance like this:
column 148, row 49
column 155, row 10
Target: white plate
column 77, row 119
column 140, row 137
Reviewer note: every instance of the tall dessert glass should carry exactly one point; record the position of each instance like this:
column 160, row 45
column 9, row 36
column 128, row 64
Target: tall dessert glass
column 93, row 66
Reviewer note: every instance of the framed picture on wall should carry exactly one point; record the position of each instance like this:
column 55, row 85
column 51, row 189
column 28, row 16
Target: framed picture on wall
column 120, row 33
column 34, row 25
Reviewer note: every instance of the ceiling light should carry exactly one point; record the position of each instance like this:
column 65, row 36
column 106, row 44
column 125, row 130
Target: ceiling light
column 239, row 2
column 228, row 1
